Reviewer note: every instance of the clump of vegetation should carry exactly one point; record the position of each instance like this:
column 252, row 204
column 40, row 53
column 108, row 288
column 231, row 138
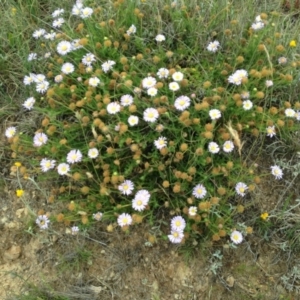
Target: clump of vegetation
column 140, row 114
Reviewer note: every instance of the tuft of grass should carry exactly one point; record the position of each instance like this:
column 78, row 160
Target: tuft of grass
column 178, row 157
column 171, row 159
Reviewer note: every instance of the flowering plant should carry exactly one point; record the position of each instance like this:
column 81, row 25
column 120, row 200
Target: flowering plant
column 129, row 129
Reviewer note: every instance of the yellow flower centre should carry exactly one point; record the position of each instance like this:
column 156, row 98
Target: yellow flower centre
column 177, row 223
column 235, row 237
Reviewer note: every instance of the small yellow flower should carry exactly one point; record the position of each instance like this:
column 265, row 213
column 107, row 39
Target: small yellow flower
column 264, row 216
column 13, row 11
column 18, row 164
column 19, row 193
column 293, row 43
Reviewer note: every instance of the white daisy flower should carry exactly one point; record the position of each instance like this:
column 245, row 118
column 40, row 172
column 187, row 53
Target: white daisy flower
column 133, row 120
column 141, row 200
column 160, row 143
column 88, row 59
column 76, row 44
column 241, row 188
column 32, row 56
column 28, row 104
column 178, row 223
column 160, row 38
column 50, row 36
column 277, row 172
column 38, row 33
column 163, row 73
column 245, row 95
column 148, row 82
column 174, row 86
column 63, row 169
column 192, row 211
column 42, row 87
column 94, row 81
column 258, row 18
column 47, row 164
column 269, row 83
column 86, row 12
column 271, row 131
column 236, row 237
column 113, row 108
column 237, row 77
column 58, row 78
column 131, row 30
column 58, row 23
column 152, row 91
column 150, row 115
column 93, row 153
column 137, row 90
column 89, row 69
column 177, row 76
column 199, row 191
column 228, row 146
column 29, row 79
column 159, row 128
column 74, row 230
column 42, row 221
column 234, row 79
column 40, row 139
column 47, row 54
column 247, row 105
column 282, row 60
column 74, row 156
column 64, row 47
column 38, row 78
column 126, row 187
column 257, row 25
column 213, row 147
column 214, row 114
column 290, row 113
column 297, row 115
column 213, row 46
column 182, row 102
column 57, row 12
column 97, row 216
column 124, row 220
column 67, row 68
column 76, row 9
column 107, row 65
column 126, row 100
column 10, row 132
column 176, row 236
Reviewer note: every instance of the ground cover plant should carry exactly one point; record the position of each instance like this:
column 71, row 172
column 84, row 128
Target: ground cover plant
column 133, row 121
column 165, row 120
